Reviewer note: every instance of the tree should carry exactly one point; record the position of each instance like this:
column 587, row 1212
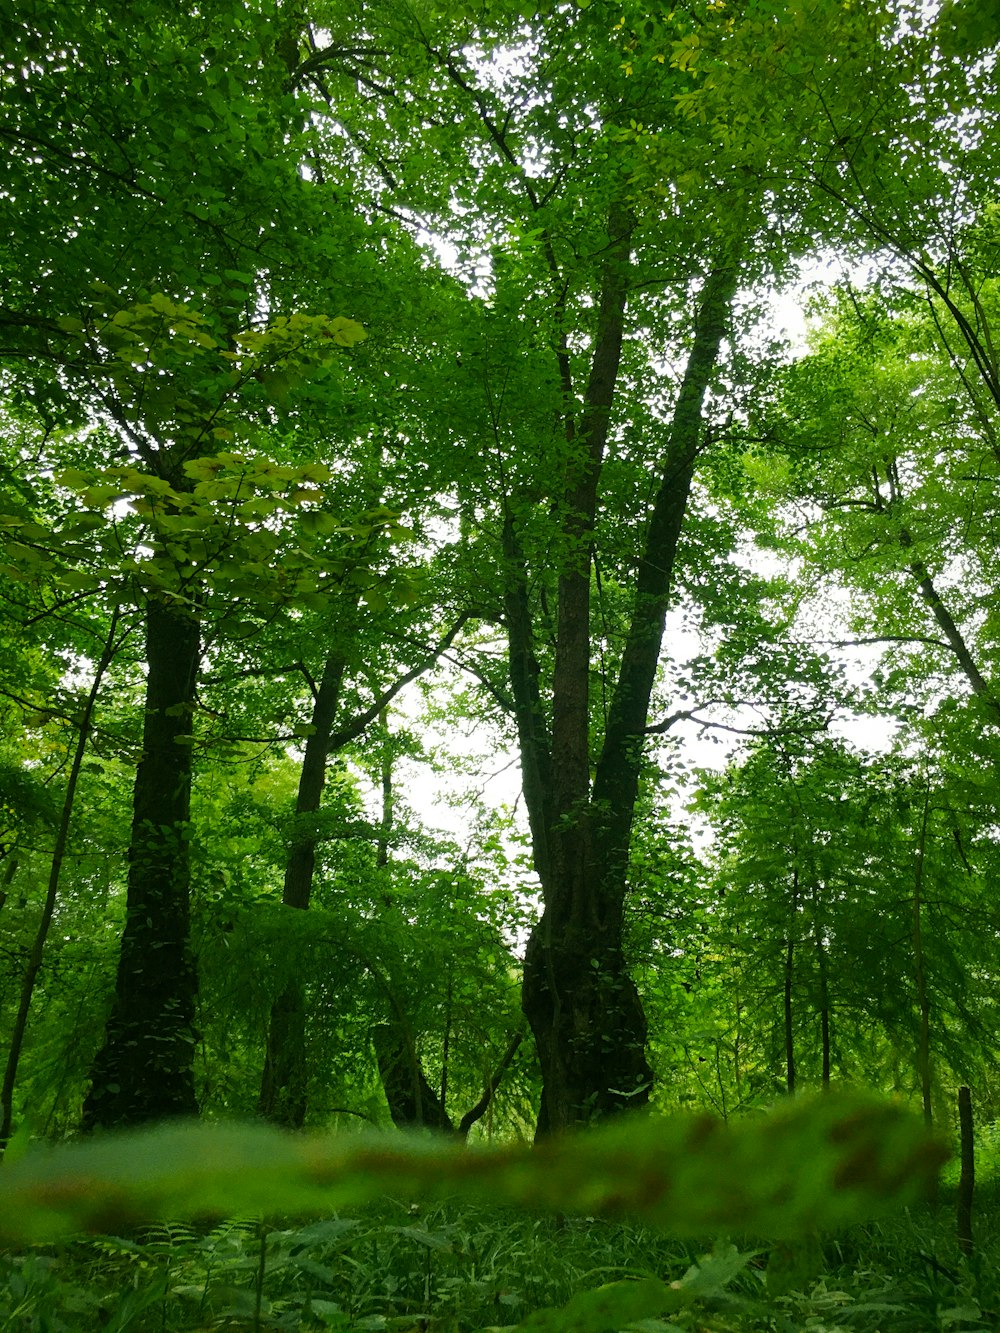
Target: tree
column 174, row 175
column 844, row 898
column 227, row 202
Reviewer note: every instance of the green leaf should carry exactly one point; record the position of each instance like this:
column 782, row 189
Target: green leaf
column 604, row 1309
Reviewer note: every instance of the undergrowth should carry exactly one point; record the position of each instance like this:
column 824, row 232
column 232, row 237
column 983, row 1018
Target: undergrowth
column 450, row 1269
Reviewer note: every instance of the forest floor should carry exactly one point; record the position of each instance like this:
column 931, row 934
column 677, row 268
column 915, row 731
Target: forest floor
column 451, row 1269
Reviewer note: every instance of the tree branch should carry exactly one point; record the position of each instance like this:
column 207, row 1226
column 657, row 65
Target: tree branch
column 360, row 722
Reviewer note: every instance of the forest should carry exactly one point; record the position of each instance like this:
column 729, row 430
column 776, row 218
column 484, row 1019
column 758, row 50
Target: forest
column 499, row 665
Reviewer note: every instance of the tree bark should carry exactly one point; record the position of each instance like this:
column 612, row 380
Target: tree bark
column 789, row 1030
column 919, row 969
column 111, row 646
column 284, row 1082
column 581, row 1003
column 145, row 1068
column 824, row 1006
column 412, row 1100
column 967, row 1180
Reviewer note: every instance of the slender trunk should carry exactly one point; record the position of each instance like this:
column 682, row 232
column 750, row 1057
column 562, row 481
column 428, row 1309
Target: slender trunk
column 823, row 972
column 920, row 974
column 111, row 646
column 145, row 1068
column 533, row 740
column 788, row 987
column 738, row 1049
column 967, row 1179
column 385, row 775
column 824, row 1007
column 285, row 1077
column 788, row 1016
column 485, row 1102
column 284, row 1082
column 580, row 1001
column 446, row 1046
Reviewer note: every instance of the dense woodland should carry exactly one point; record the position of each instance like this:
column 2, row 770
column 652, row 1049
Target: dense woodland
column 394, row 396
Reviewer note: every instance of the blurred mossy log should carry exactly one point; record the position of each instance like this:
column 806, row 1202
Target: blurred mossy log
column 810, row 1164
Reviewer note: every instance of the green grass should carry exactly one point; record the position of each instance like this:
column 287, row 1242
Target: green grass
column 455, row 1269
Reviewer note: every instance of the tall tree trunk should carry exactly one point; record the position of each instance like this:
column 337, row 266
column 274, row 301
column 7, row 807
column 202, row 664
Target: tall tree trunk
column 111, row 646
column 284, row 1082
column 824, row 1001
column 788, row 987
column 787, row 1015
column 145, row 1068
column 967, row 1179
column 581, row 1003
column 920, row 970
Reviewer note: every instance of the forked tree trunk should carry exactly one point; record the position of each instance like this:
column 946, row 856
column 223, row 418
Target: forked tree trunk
column 412, row 1100
column 145, row 1068
column 581, row 1003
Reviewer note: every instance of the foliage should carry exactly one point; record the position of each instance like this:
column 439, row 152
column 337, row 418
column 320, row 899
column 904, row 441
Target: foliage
column 475, row 1268
column 390, row 393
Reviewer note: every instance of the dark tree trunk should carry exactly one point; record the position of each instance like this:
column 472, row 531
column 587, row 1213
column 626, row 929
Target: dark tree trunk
column 145, row 1068
column 788, row 988
column 284, row 1081
column 967, row 1180
column 412, row 1100
column 581, row 1003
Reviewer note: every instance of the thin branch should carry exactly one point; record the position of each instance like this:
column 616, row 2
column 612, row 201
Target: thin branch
column 692, row 715
column 360, row 722
column 882, row 638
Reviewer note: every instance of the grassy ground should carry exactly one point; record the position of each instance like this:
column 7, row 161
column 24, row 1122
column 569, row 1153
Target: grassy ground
column 451, row 1270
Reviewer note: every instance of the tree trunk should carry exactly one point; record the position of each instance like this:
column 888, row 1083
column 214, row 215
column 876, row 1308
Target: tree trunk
column 111, row 646
column 581, row 1003
column 788, row 1016
column 920, row 971
column 412, row 1100
column 284, row 1081
column 824, row 1003
column 145, row 1068
column 967, row 1180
